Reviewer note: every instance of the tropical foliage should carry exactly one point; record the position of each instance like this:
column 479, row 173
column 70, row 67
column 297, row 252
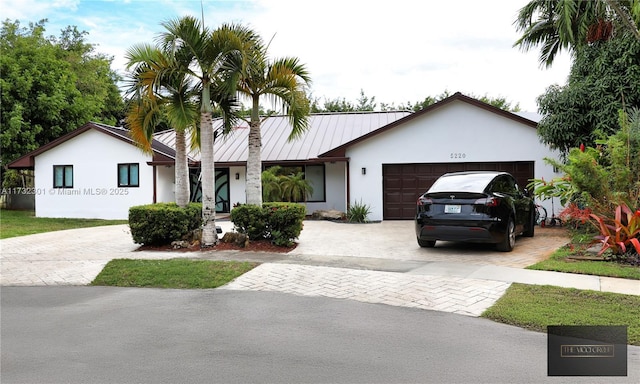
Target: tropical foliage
column 556, row 25
column 358, row 212
column 51, row 86
column 211, row 62
column 620, row 232
column 601, row 177
column 604, row 78
column 283, row 186
column 602, row 185
column 161, row 92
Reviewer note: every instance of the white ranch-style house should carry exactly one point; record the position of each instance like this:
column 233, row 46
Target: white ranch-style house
column 383, row 159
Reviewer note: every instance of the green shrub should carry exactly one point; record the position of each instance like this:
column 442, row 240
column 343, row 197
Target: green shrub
column 250, row 220
column 162, row 223
column 279, row 222
column 285, row 222
column 358, row 212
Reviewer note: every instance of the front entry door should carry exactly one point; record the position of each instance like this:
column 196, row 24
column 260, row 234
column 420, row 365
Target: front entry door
column 222, row 188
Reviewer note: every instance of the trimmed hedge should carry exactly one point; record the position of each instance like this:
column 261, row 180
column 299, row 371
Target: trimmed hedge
column 279, row 222
column 162, row 223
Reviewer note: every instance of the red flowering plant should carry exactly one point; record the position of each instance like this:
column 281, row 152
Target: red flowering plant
column 619, row 234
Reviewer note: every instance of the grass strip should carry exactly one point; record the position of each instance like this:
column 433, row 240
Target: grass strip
column 560, row 262
column 171, row 273
column 21, row 223
column 535, row 307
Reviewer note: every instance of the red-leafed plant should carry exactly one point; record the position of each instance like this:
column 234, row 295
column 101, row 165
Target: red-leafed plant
column 575, row 215
column 621, row 232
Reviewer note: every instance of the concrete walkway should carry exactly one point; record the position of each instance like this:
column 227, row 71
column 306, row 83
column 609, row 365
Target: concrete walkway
column 374, row 263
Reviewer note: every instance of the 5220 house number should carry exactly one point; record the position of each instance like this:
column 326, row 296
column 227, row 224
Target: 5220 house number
column 458, row 155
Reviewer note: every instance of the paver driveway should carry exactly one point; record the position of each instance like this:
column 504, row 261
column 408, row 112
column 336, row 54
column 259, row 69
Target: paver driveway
column 332, row 260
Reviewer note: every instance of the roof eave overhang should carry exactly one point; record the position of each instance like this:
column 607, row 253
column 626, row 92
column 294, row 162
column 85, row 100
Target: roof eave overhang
column 27, row 161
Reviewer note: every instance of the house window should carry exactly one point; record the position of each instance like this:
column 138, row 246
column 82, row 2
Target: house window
column 63, row 176
column 314, row 174
column 128, row 175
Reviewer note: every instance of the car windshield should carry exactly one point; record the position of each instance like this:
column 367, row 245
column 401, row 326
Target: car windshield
column 467, row 182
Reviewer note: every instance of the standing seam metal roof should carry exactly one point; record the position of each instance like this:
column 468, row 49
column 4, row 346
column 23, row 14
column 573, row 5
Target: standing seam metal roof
column 325, row 132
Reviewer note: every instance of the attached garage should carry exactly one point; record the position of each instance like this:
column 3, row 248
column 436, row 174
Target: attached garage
column 403, row 183
column 390, row 167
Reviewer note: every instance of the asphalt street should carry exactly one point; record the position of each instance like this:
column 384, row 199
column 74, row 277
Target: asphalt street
column 80, row 334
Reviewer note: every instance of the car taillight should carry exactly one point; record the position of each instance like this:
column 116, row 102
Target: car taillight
column 489, row 202
column 424, row 201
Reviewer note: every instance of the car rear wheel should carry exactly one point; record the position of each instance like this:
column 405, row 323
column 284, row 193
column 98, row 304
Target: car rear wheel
column 427, row 243
column 509, row 241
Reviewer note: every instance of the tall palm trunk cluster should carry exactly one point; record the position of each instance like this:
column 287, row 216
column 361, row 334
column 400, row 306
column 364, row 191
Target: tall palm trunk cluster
column 192, row 71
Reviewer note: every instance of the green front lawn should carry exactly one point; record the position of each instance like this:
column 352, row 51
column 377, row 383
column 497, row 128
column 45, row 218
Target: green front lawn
column 21, row 223
column 561, row 261
column 535, row 307
column 172, row 273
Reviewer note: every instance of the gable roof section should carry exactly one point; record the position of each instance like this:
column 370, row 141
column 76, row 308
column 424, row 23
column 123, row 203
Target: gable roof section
column 161, row 152
column 325, row 132
column 340, row 151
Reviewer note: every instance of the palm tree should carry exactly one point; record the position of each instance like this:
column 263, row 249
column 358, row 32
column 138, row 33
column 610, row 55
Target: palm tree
column 271, row 190
column 295, row 188
column 160, row 90
column 284, row 80
column 566, row 24
column 629, row 14
column 213, row 58
column 560, row 24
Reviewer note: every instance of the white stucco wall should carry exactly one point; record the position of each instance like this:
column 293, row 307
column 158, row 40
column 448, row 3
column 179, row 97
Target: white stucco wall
column 95, row 193
column 458, row 132
column 165, row 184
column 237, row 188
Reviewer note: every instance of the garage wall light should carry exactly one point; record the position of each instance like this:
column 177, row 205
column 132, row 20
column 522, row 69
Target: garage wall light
column 237, row 176
column 364, row 171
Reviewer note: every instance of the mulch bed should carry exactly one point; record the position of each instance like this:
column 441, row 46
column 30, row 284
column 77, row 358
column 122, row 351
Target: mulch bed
column 254, row 246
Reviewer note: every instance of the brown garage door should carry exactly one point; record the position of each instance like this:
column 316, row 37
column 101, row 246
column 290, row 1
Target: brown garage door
column 403, row 183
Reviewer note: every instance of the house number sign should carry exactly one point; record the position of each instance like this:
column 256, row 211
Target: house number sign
column 458, row 155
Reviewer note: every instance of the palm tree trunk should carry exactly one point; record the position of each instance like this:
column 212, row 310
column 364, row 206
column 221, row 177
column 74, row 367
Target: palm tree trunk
column 254, row 159
column 182, row 170
column 209, row 234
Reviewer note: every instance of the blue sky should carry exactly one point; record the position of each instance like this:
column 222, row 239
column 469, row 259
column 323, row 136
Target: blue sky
column 398, row 51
